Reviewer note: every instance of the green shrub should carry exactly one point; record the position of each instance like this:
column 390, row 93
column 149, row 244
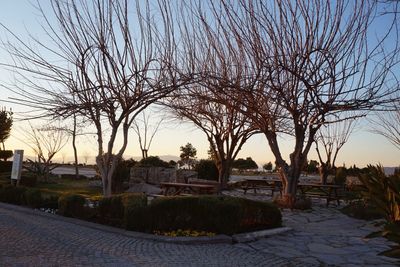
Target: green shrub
column 362, row 210
column 383, row 192
column 340, row 176
column 111, row 210
column 257, row 215
column 33, row 198
column 207, row 170
column 222, row 215
column 5, row 166
column 114, row 210
column 50, row 202
column 152, row 161
column 12, row 194
column 28, row 180
column 121, row 175
column 72, row 205
column 135, row 205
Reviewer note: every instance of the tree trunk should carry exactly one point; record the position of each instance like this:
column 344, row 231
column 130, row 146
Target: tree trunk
column 223, row 174
column 144, row 153
column 75, row 149
column 324, row 172
column 75, row 157
column 104, row 170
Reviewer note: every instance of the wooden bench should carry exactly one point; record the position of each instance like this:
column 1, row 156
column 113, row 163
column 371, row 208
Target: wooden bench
column 325, row 191
column 215, row 184
column 174, row 189
column 260, row 184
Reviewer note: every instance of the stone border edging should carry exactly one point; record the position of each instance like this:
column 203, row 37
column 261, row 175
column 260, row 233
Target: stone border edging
column 252, row 236
column 218, row 239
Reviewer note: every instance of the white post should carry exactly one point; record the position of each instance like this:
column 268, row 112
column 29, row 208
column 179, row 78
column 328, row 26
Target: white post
column 17, row 166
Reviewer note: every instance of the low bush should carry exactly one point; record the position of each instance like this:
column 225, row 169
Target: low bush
column 6, row 166
column 217, row 214
column 362, row 210
column 340, row 176
column 72, row 205
column 28, row 180
column 33, row 198
column 207, row 170
column 112, row 210
column 135, row 206
column 12, row 194
column 121, row 175
column 50, row 202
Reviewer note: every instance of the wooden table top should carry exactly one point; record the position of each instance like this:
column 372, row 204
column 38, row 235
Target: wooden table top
column 186, row 185
column 320, row 185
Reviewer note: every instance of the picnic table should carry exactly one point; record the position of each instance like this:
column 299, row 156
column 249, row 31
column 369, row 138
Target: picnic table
column 327, row 191
column 175, row 189
column 261, row 184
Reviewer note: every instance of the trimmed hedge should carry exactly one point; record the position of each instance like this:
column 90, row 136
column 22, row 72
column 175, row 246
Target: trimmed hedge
column 72, row 205
column 218, row 214
column 33, row 198
column 50, row 202
column 30, row 197
column 114, row 210
column 134, row 204
column 28, row 180
column 12, row 194
column 6, row 166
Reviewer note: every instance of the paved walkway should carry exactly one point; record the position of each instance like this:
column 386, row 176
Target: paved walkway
column 325, row 236
column 322, row 237
column 31, row 239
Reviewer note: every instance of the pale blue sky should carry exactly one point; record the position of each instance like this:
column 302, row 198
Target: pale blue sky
column 363, row 147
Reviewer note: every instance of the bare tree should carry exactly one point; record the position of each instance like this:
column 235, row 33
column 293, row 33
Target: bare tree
column 226, row 129
column 99, row 65
column 75, row 131
column 45, row 142
column 331, row 138
column 308, row 61
column 146, row 131
column 204, row 102
column 387, row 124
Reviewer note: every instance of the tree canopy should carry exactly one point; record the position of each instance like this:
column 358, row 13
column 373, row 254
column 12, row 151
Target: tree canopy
column 245, row 164
column 6, row 122
column 188, row 155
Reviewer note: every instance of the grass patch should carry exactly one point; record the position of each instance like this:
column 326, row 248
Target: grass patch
column 69, row 186
column 5, row 177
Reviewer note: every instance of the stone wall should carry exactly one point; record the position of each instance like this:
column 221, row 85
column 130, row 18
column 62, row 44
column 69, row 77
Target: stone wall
column 152, row 175
column 157, row 175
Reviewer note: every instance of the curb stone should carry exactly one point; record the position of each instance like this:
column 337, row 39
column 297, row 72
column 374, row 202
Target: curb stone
column 253, row 236
column 218, row 239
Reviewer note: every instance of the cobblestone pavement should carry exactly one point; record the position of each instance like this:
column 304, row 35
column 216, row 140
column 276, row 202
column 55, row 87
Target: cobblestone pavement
column 321, row 237
column 324, row 236
column 31, row 239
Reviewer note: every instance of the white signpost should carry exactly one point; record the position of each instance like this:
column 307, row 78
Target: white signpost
column 17, row 166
